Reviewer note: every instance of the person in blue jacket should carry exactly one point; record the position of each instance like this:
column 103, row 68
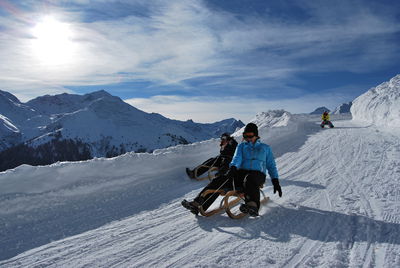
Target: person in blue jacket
column 250, row 163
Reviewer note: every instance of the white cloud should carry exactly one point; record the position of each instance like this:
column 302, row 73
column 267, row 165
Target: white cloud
column 184, row 40
column 209, row 109
column 25, row 89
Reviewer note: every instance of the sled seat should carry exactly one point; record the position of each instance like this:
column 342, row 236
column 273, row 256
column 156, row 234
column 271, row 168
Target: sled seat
column 227, row 204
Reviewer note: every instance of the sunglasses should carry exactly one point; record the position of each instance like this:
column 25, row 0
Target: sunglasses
column 247, row 136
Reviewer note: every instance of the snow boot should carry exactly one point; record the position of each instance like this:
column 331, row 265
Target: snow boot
column 192, row 206
column 251, row 210
column 190, row 173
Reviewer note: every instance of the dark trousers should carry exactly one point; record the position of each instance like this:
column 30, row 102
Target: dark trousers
column 247, row 181
column 326, row 122
column 212, row 162
column 221, row 162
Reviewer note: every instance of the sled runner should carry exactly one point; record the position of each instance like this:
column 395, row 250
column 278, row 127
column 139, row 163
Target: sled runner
column 210, row 173
column 231, row 199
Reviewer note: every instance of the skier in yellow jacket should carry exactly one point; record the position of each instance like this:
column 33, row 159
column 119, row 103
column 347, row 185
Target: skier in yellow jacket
column 325, row 120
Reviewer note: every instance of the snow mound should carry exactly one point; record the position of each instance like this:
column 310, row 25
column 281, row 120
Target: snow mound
column 380, row 105
column 343, row 108
column 283, row 130
column 272, row 118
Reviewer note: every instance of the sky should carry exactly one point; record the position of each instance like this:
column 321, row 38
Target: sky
column 205, row 60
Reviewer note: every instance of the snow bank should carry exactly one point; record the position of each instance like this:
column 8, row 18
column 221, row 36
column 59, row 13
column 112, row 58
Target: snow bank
column 46, row 203
column 285, row 132
column 27, row 179
column 379, row 105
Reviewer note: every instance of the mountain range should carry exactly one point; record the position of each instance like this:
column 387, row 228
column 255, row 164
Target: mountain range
column 78, row 127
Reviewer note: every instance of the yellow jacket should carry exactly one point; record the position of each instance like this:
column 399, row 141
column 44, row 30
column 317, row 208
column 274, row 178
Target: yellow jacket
column 325, row 117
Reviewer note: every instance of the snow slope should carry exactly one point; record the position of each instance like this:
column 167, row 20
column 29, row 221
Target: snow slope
column 340, row 208
column 9, row 133
column 13, row 109
column 379, row 105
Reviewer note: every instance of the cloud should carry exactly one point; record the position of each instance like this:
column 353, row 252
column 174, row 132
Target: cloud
column 209, row 109
column 197, row 49
column 26, row 90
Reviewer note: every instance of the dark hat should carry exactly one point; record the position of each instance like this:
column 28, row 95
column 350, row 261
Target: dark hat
column 225, row 136
column 251, row 127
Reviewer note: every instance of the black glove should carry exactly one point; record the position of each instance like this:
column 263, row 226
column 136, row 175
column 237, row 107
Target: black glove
column 232, row 172
column 277, row 187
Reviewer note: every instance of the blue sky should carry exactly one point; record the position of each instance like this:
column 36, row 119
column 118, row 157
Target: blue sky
column 201, row 60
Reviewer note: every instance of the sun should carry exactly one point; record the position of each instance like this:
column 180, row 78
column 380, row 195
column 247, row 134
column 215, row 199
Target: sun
column 52, row 43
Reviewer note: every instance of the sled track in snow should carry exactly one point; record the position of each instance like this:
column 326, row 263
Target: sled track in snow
column 342, row 167
column 354, row 174
column 309, row 248
column 332, row 214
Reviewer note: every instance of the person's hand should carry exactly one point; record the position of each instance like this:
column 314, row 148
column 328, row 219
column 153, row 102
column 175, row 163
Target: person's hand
column 232, row 172
column 277, row 187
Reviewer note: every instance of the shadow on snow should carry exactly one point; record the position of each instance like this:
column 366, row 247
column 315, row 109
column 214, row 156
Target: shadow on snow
column 281, row 223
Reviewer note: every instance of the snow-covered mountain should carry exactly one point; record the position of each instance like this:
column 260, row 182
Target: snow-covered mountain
column 320, row 110
column 13, row 109
column 344, row 108
column 379, row 105
column 97, row 122
column 108, row 122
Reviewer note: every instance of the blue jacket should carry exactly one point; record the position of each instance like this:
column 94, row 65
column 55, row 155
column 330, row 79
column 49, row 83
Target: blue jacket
column 257, row 156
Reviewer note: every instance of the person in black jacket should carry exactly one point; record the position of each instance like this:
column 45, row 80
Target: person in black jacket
column 228, row 146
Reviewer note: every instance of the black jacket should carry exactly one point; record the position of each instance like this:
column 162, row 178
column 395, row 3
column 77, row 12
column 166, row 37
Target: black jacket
column 229, row 149
column 226, row 154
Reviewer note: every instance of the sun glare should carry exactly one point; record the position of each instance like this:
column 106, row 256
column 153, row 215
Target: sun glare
column 52, row 44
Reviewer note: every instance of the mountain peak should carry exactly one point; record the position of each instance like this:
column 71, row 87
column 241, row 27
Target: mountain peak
column 9, row 96
column 320, row 110
column 99, row 94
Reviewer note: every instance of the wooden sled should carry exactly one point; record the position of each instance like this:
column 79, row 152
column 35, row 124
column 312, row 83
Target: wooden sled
column 210, row 173
column 227, row 204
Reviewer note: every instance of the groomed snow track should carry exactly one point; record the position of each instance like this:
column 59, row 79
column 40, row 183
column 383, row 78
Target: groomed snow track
column 340, row 208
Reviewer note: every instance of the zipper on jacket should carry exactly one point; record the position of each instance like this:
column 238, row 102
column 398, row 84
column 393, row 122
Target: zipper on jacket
column 252, row 156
